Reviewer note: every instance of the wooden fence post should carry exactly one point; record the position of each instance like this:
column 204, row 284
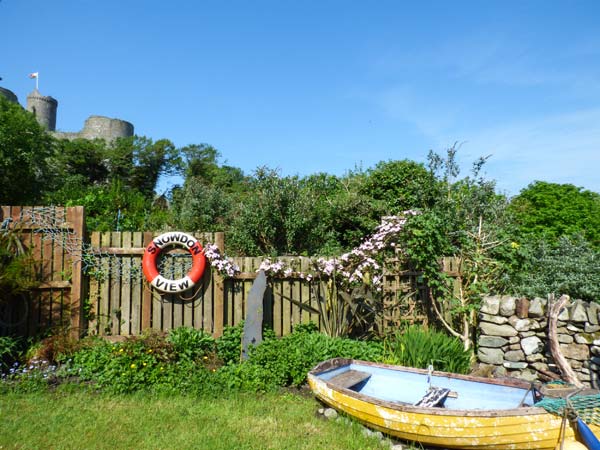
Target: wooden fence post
column 76, row 219
column 219, row 296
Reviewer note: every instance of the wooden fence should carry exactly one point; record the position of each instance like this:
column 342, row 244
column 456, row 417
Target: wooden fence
column 118, row 302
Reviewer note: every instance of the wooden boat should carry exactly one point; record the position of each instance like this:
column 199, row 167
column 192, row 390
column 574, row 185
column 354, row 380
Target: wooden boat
column 470, row 412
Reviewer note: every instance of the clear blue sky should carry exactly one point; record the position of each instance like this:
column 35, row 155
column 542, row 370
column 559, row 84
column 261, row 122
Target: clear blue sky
column 325, row 86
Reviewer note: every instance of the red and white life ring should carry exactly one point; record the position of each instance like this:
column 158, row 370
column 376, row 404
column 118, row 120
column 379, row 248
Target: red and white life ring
column 179, row 239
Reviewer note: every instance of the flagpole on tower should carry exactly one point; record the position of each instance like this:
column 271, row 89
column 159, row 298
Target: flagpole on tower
column 35, row 75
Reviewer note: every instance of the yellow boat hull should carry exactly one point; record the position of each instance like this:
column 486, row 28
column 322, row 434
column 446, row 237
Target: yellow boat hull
column 523, row 428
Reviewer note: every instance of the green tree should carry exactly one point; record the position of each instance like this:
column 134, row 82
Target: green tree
column 400, row 185
column 25, row 149
column 553, row 210
column 469, row 221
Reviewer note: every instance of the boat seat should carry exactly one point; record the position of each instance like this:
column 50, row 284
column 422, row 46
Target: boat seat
column 435, row 396
column 349, row 378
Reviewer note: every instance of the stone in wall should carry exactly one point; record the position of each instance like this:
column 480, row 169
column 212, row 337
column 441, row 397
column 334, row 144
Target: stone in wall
column 537, row 307
column 492, row 341
column 578, row 312
column 513, row 337
column 490, row 305
column 491, row 329
column 531, row 345
column 507, row 306
column 490, row 355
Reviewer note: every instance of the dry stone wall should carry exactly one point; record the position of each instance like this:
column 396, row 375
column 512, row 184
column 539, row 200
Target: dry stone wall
column 513, row 338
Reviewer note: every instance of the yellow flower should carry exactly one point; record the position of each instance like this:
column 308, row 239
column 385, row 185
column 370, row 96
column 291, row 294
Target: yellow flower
column 162, row 368
column 133, row 366
column 515, row 245
column 120, row 350
column 144, row 363
column 205, row 358
column 149, row 350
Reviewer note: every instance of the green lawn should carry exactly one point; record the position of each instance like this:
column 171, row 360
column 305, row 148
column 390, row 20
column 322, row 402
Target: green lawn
column 85, row 420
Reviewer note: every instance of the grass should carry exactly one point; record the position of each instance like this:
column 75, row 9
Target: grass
column 85, row 420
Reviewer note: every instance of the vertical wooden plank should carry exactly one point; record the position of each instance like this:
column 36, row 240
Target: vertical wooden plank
column 115, row 288
column 277, row 307
column 94, row 289
column 219, row 291
column 146, row 292
column 136, row 280
column 286, row 304
column 75, row 216
column 105, row 316
column 125, row 284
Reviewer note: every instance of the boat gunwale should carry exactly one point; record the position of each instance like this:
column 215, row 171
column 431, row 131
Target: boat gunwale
column 335, row 363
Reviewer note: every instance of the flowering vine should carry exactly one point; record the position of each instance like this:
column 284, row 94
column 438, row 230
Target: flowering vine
column 223, row 265
column 360, row 265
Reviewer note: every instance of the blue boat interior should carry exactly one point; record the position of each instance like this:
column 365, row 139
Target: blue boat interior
column 411, row 388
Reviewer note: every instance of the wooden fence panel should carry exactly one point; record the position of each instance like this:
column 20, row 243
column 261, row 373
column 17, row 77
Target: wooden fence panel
column 122, row 303
column 55, row 300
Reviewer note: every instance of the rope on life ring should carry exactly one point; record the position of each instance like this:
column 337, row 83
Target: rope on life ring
column 175, row 238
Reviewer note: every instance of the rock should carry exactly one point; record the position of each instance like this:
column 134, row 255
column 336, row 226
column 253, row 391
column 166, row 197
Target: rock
column 499, row 320
column 492, row 341
column 537, row 307
column 490, row 355
column 522, row 308
column 589, row 328
column 565, row 339
column 490, row 305
column 520, row 324
column 578, row 312
column 579, row 352
column 574, row 328
column 536, row 357
column 514, row 340
column 500, row 372
column 507, row 306
column 564, row 315
column 592, row 311
column 528, row 375
column 595, row 350
column 514, row 365
column 330, row 413
column 492, row 329
column 514, row 356
column 531, row 345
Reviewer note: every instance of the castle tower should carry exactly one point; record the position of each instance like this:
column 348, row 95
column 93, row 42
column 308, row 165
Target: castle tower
column 100, row 127
column 9, row 95
column 43, row 108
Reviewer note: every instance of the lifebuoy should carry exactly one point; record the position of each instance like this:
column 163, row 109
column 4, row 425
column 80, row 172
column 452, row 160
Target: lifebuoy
column 181, row 240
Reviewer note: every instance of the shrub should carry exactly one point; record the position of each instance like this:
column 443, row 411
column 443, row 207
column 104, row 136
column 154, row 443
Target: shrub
column 417, row 347
column 286, row 361
column 189, row 343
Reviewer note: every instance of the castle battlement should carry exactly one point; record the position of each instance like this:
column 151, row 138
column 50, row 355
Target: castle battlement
column 44, row 108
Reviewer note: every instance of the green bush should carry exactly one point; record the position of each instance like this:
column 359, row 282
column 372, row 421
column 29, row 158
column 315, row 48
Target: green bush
column 189, row 343
column 417, row 347
column 286, row 361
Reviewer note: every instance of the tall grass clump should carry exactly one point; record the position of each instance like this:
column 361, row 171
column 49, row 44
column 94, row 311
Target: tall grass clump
column 414, row 346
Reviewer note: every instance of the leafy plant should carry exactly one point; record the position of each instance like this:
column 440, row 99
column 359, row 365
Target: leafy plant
column 190, row 343
column 414, row 346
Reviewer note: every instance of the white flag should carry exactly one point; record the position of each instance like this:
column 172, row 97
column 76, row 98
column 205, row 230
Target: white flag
column 33, row 75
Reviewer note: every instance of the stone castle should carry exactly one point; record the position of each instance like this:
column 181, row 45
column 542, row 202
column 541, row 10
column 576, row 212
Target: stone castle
column 96, row 127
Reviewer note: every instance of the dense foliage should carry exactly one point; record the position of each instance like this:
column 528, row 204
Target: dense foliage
column 189, row 361
column 500, row 242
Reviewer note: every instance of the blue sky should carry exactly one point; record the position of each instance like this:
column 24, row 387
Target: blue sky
column 326, row 86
